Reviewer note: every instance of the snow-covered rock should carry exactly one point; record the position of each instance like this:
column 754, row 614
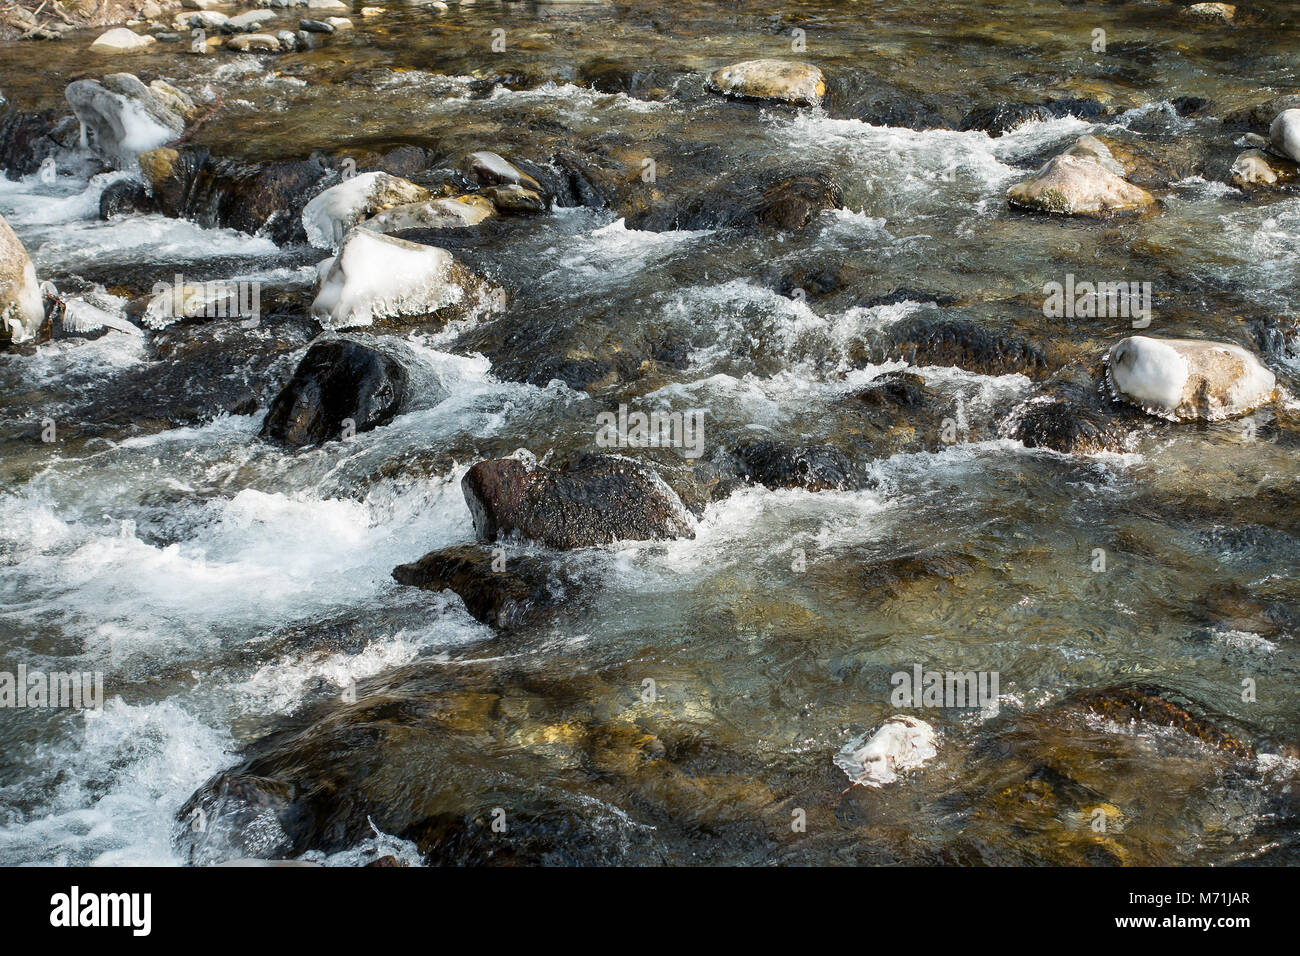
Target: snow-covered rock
column 376, row 277
column 901, row 743
column 122, row 118
column 1185, row 379
column 22, row 307
column 329, row 216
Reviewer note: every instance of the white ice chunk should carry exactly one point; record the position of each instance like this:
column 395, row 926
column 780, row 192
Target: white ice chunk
column 375, row 276
column 901, row 743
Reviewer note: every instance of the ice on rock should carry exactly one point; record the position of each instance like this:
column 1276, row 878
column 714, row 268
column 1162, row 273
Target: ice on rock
column 1284, row 134
column 901, row 743
column 1183, row 379
column 122, row 118
column 331, row 214
column 375, row 276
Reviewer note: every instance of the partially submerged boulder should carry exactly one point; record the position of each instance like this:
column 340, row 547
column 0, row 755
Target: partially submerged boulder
column 376, row 277
column 1078, row 185
column 22, row 307
column 595, row 500
column 1187, row 379
column 1284, row 134
column 338, row 387
column 776, row 464
column 1254, row 169
column 122, row 118
column 122, row 40
column 782, row 81
column 330, row 215
column 505, row 595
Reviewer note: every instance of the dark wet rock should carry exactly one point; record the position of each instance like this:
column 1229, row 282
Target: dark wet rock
column 895, row 390
column 315, row 26
column 863, row 97
column 594, row 500
column 336, row 382
column 787, row 203
column 779, row 465
column 960, row 343
column 1188, row 105
column 505, row 592
column 996, row 120
column 260, row 198
column 125, row 197
column 812, row 282
column 1067, row 416
column 616, row 75
column 1259, row 118
column 121, row 117
column 405, row 161
column 27, row 139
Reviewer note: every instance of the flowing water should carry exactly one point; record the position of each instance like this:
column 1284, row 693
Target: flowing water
column 222, row 584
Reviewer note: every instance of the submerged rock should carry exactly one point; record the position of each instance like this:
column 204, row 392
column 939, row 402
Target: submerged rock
column 1186, row 379
column 329, row 216
column 1284, row 134
column 783, row 81
column 595, row 500
column 336, row 382
column 1076, row 185
column 122, row 118
column 900, row 744
column 376, row 277
column 520, row 590
column 22, row 307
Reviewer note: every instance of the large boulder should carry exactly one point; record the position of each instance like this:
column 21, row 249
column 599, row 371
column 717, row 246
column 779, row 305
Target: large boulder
column 1187, row 379
column 122, row 118
column 595, row 500
column 330, row 215
column 1078, row 185
column 779, row 465
column 500, row 592
column 1284, row 134
column 22, row 307
column 782, row 81
column 376, row 277
column 336, row 382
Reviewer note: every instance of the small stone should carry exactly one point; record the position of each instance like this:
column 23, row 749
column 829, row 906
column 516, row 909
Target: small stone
column 339, row 23
column 315, row 26
column 253, row 43
column 516, row 200
column 372, row 11
column 1213, row 12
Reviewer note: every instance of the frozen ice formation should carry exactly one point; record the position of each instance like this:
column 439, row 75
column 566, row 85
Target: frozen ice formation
column 901, row 743
column 1184, row 379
